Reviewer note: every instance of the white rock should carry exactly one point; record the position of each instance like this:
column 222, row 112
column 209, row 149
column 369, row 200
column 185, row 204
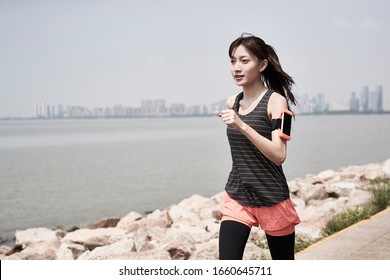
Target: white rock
column 181, row 215
column 293, row 186
column 128, row 222
column 218, row 198
column 206, row 213
column 197, row 233
column 92, row 238
column 148, row 238
column 69, row 251
column 342, row 188
column 312, row 192
column 358, row 198
column 206, row 251
column 158, row 219
column 118, row 250
column 157, row 254
column 386, row 168
column 42, row 250
column 4, row 249
column 35, row 235
column 179, row 245
column 326, row 175
column 298, row 202
column 189, row 209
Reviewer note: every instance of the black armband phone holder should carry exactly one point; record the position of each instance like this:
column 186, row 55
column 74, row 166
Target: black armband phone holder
column 283, row 124
column 276, row 124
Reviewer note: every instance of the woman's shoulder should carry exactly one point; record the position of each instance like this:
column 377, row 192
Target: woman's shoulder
column 277, row 99
column 276, row 104
column 231, row 100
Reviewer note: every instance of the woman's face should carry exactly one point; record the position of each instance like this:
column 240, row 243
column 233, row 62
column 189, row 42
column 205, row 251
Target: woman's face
column 245, row 67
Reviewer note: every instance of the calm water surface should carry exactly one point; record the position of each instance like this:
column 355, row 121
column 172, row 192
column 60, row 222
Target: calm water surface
column 70, row 172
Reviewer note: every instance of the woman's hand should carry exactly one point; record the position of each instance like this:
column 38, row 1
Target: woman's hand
column 230, row 117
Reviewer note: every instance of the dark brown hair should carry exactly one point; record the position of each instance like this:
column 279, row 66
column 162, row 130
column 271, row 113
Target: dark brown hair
column 273, row 75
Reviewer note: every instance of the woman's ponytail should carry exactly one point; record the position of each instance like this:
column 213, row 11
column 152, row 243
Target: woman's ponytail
column 274, row 77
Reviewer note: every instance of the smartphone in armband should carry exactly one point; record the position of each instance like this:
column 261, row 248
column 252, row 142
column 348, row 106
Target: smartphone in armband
column 285, row 125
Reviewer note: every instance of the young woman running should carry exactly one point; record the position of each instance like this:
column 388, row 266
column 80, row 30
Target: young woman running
column 256, row 193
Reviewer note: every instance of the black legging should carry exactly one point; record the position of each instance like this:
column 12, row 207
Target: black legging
column 233, row 237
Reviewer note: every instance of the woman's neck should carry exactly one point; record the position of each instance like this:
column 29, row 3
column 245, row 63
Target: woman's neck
column 253, row 91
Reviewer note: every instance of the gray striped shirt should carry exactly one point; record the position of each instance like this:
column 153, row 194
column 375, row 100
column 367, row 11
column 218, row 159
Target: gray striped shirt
column 254, row 180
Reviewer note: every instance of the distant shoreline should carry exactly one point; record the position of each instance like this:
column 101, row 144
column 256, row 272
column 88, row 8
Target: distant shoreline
column 191, row 116
column 344, row 113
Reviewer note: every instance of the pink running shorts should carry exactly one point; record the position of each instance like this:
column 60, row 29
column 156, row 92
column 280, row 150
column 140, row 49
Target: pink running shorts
column 277, row 220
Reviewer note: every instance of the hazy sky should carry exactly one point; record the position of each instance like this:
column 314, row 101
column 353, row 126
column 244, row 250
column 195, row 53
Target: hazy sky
column 102, row 53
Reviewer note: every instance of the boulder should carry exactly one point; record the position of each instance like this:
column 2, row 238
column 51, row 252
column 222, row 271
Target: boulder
column 4, row 250
column 386, row 168
column 92, row 238
column 158, row 219
column 309, row 192
column 372, row 171
column 116, row 251
column 148, row 239
column 358, row 198
column 188, row 210
column 206, row 251
column 157, row 254
column 105, row 223
column 70, row 251
column 41, row 250
column 35, row 235
column 326, row 175
column 293, row 187
column 178, row 244
column 297, row 201
column 198, row 233
column 128, row 223
column 342, row 188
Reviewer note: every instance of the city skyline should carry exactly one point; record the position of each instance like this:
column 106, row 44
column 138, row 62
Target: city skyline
column 369, row 102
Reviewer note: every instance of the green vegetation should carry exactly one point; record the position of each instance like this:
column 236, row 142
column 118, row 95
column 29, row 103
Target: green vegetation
column 302, row 242
column 380, row 190
column 344, row 220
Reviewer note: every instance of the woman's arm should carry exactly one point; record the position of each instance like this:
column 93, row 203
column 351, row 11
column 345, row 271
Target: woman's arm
column 275, row 149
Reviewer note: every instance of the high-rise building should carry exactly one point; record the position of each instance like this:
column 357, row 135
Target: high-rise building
column 379, row 91
column 364, row 99
column 354, row 103
column 321, row 102
column 153, row 108
column 372, row 101
column 37, row 110
column 60, row 111
column 41, row 110
column 178, row 109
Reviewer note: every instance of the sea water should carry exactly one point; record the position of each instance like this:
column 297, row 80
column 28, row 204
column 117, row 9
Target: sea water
column 70, row 172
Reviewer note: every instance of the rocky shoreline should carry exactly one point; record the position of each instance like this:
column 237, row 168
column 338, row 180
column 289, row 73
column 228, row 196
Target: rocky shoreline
column 189, row 229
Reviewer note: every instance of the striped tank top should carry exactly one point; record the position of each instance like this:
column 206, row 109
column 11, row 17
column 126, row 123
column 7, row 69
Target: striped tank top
column 254, row 180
